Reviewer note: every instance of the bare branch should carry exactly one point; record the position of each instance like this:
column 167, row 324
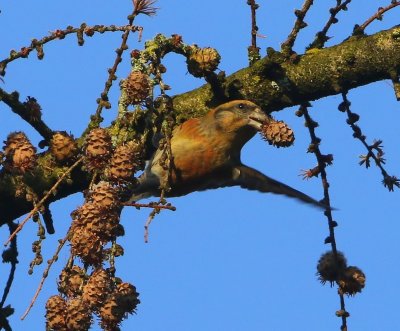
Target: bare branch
column 103, row 102
column 153, row 205
column 321, row 37
column 315, row 141
column 253, row 50
column 375, row 151
column 298, row 25
column 377, row 16
column 45, row 274
column 30, row 111
column 10, row 256
column 61, row 34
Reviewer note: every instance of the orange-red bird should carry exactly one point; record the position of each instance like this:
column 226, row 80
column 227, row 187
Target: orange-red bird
column 206, row 155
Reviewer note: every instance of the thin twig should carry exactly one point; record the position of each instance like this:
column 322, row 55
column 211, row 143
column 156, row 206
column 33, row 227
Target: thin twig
column 103, row 102
column 12, row 258
column 287, row 46
column 48, row 219
column 61, row 34
column 388, row 180
column 153, row 205
column 171, row 164
column 253, row 50
column 144, row 7
column 43, row 200
column 45, row 274
column 377, row 16
column 321, row 37
column 253, row 6
column 37, row 244
column 147, row 224
column 165, row 186
column 321, row 159
column 24, row 110
column 154, row 212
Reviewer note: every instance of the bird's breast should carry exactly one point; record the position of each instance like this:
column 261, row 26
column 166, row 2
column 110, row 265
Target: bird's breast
column 196, row 158
column 198, row 151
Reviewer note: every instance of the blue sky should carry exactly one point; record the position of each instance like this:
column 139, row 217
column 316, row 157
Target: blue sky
column 227, row 259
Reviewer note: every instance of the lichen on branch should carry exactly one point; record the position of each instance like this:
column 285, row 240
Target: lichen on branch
column 276, row 83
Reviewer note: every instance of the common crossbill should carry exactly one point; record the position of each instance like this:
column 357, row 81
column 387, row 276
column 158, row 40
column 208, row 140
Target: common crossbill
column 206, row 155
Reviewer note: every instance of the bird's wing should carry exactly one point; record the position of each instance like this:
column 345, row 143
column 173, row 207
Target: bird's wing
column 148, row 185
column 252, row 179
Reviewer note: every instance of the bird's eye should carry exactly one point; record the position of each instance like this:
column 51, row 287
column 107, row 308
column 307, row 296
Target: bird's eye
column 240, row 105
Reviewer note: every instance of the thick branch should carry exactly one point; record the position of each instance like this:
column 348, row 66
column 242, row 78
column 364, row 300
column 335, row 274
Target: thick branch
column 13, row 201
column 275, row 84
column 272, row 82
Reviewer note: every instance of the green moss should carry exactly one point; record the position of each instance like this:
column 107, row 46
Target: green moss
column 194, row 106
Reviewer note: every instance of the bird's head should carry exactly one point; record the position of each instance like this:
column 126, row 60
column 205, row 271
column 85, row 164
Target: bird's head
column 237, row 122
column 240, row 116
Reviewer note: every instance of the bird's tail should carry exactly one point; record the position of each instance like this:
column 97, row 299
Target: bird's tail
column 252, row 179
column 138, row 196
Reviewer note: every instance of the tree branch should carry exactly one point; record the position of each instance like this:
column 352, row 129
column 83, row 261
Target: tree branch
column 272, row 82
column 275, row 84
column 61, row 34
column 40, row 180
column 29, row 111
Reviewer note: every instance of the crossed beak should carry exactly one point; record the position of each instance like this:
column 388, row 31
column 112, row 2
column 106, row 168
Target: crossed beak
column 258, row 118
